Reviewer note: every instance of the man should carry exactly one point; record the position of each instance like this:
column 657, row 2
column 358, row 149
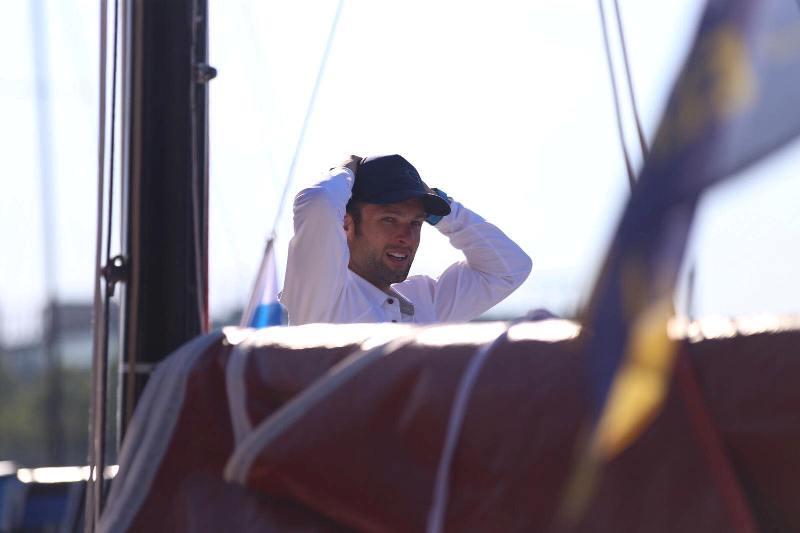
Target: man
column 355, row 236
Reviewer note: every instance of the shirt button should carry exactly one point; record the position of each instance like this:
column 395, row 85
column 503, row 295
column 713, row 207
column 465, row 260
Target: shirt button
column 390, row 301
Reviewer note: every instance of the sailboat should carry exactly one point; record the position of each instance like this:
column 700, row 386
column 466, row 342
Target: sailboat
column 624, row 419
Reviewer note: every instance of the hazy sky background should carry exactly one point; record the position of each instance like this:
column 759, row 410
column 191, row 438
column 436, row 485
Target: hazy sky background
column 504, row 105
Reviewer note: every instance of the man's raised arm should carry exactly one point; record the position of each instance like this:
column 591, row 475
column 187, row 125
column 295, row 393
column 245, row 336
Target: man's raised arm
column 316, row 268
column 495, row 266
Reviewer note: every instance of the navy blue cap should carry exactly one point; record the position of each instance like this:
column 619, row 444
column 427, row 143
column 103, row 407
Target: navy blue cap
column 388, row 179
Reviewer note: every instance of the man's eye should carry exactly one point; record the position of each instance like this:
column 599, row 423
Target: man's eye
column 388, row 220
column 416, row 223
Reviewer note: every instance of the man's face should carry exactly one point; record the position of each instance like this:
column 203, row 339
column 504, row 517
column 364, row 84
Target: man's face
column 382, row 245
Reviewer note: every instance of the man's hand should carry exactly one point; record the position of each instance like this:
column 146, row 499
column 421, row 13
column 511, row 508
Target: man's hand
column 352, row 163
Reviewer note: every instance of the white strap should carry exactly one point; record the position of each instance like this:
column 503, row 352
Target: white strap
column 441, row 488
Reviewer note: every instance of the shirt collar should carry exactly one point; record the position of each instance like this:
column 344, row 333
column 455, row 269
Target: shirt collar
column 372, row 292
column 378, row 297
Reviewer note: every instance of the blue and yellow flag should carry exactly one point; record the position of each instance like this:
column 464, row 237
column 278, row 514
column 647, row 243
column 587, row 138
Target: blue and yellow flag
column 736, row 100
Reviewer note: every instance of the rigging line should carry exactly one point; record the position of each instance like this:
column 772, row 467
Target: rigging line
column 309, row 111
column 103, row 393
column 91, row 508
column 258, row 286
column 112, row 137
column 629, row 78
column 717, row 458
column 200, row 280
column 53, row 412
column 691, row 296
column 615, row 93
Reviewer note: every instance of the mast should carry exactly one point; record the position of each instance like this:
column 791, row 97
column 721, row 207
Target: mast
column 164, row 186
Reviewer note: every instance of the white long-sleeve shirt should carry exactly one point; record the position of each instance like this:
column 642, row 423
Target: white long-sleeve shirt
column 319, row 286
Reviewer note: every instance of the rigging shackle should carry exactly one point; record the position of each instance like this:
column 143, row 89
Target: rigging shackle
column 116, row 271
column 204, row 73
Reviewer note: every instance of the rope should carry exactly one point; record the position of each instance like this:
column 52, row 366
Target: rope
column 719, row 462
column 615, row 93
column 306, row 120
column 691, row 300
column 298, row 147
column 629, row 78
column 258, row 286
column 97, row 322
column 200, row 285
column 441, row 488
column 103, row 393
column 94, row 488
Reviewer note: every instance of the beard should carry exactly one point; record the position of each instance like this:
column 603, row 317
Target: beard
column 371, row 265
column 382, row 272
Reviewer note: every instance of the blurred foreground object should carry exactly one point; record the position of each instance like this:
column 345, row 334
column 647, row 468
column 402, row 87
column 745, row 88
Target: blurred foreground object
column 733, row 104
column 263, row 430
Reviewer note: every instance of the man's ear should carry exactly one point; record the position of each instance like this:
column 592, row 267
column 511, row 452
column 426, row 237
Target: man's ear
column 349, row 226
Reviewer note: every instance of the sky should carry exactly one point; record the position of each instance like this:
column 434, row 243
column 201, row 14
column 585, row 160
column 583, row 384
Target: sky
column 504, row 105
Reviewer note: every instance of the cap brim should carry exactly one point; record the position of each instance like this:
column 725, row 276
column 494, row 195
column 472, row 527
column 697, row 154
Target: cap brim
column 433, row 204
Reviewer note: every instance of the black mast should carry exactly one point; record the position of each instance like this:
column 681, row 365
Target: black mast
column 165, row 186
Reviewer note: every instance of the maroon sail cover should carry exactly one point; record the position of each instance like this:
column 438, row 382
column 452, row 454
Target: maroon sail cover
column 342, row 428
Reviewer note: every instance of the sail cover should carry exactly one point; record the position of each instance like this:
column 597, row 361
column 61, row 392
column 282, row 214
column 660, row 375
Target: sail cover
column 261, row 430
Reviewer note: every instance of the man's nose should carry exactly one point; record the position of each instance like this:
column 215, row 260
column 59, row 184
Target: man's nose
column 404, row 233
